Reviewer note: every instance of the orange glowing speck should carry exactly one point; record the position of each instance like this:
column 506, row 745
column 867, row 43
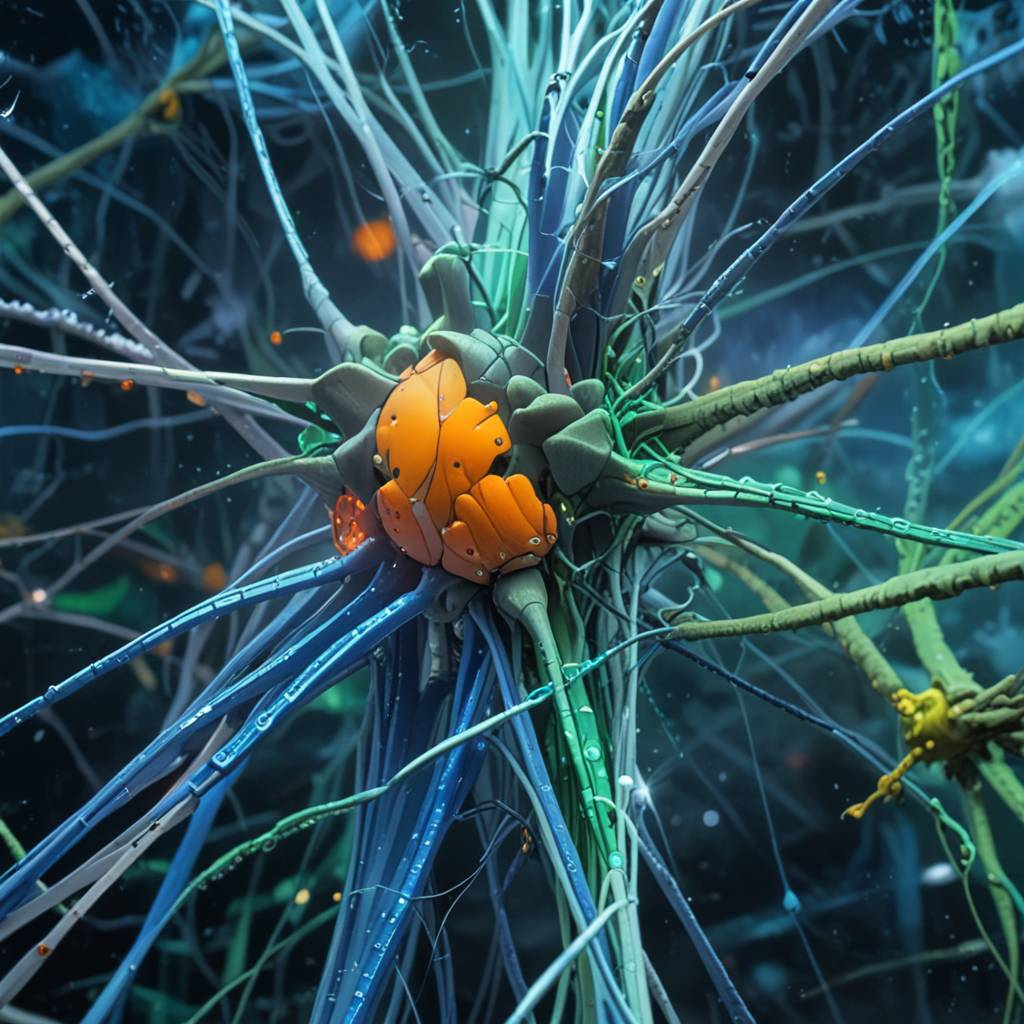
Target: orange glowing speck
column 127, row 384
column 346, row 530
column 170, row 105
column 215, row 577
column 375, row 240
column 714, row 382
column 276, row 337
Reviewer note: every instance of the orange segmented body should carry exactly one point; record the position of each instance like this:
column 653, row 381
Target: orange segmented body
column 442, row 504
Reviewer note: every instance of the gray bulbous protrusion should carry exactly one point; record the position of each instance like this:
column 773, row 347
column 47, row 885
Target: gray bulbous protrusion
column 451, row 602
column 517, row 593
column 487, row 361
column 544, row 417
column 618, row 492
column 522, row 597
column 528, row 461
column 578, row 454
column 354, row 461
column 522, row 390
column 372, row 344
column 473, row 352
column 350, row 392
column 401, row 356
column 321, row 474
column 445, row 282
column 589, row 393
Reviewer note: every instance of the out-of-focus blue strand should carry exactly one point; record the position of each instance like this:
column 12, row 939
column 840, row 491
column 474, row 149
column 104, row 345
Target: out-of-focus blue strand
column 105, row 433
column 727, row 992
column 988, row 190
column 18, row 882
column 533, row 762
column 109, row 1005
column 742, row 265
column 316, row 575
column 365, row 968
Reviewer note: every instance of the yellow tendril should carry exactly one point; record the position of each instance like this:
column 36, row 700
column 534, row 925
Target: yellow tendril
column 890, row 784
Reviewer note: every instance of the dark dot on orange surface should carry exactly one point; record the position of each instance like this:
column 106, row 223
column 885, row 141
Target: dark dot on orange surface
column 470, row 551
column 395, row 472
column 457, row 465
column 498, row 441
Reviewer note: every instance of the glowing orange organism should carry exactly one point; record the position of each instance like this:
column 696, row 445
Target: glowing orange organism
column 170, row 104
column 346, row 530
column 375, row 240
column 442, row 503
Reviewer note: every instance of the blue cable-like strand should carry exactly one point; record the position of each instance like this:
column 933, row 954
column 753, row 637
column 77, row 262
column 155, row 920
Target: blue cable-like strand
column 379, row 944
column 742, row 265
column 109, row 1005
column 330, row 570
column 17, row 883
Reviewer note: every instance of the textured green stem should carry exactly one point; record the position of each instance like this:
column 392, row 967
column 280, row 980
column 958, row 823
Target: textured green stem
column 209, row 58
column 981, row 832
column 861, row 649
column 680, row 425
column 938, row 583
column 1004, row 782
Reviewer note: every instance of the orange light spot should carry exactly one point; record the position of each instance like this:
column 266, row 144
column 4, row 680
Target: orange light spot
column 714, row 382
column 43, row 949
column 19, row 370
column 336, row 897
column 170, row 105
column 276, row 337
column 159, row 571
column 127, row 384
column 821, row 476
column 797, row 760
column 375, row 240
column 195, row 398
column 215, row 577
column 12, row 526
column 346, row 530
